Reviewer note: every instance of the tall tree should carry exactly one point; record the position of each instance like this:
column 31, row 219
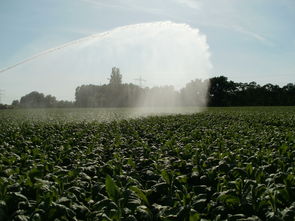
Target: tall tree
column 221, row 91
column 33, row 99
column 116, row 77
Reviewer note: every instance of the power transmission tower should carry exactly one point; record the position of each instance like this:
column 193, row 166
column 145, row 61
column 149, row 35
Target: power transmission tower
column 140, row 80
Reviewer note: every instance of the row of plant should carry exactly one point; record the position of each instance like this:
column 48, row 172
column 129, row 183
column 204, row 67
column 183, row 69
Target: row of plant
column 216, row 165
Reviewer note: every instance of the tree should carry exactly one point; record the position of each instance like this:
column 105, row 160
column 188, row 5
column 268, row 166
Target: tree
column 116, row 77
column 221, row 91
column 194, row 93
column 50, row 101
column 39, row 100
column 3, row 106
column 15, row 103
column 33, row 99
column 289, row 94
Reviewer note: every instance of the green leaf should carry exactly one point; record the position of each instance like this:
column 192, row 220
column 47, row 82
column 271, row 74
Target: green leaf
column 182, row 179
column 228, row 198
column 140, row 194
column 166, row 177
column 194, row 217
column 112, row 189
column 131, row 163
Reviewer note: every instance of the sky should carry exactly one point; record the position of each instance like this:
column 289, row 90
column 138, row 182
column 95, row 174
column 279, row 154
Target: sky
column 246, row 41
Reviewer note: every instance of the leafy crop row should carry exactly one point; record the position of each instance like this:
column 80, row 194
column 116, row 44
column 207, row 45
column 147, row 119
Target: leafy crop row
column 216, row 165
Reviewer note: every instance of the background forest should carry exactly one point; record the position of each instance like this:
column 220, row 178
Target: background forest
column 221, row 92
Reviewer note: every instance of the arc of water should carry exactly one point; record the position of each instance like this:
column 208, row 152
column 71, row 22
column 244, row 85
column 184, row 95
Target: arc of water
column 48, row 51
column 78, row 41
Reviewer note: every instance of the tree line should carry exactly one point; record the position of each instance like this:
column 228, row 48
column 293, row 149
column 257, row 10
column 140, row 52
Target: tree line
column 216, row 91
column 117, row 94
column 223, row 92
column 39, row 100
column 219, row 92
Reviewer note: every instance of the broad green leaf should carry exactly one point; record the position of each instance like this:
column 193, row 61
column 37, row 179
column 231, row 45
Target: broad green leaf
column 140, row 194
column 112, row 189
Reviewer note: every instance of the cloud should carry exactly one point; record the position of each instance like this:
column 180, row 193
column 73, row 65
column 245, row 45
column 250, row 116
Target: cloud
column 228, row 14
column 251, row 34
column 238, row 28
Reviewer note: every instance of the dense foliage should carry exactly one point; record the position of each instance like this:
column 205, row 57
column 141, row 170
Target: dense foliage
column 39, row 100
column 219, row 91
column 216, row 91
column 223, row 92
column 117, row 94
column 235, row 164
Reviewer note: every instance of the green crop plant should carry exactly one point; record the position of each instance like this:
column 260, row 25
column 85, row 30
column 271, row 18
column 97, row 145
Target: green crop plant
column 221, row 164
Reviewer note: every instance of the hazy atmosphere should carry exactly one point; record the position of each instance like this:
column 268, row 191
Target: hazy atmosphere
column 158, row 53
column 164, row 43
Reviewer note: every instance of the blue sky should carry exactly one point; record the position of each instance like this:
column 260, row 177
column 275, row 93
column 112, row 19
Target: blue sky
column 249, row 40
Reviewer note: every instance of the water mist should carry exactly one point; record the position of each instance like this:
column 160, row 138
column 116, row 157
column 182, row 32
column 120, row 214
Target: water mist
column 161, row 53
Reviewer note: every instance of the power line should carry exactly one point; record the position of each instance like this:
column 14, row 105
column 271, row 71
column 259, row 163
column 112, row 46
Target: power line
column 140, row 80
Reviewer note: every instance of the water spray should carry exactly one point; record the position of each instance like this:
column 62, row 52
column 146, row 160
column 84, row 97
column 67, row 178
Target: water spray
column 164, row 53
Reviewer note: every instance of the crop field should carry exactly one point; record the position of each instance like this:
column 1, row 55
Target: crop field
column 221, row 164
